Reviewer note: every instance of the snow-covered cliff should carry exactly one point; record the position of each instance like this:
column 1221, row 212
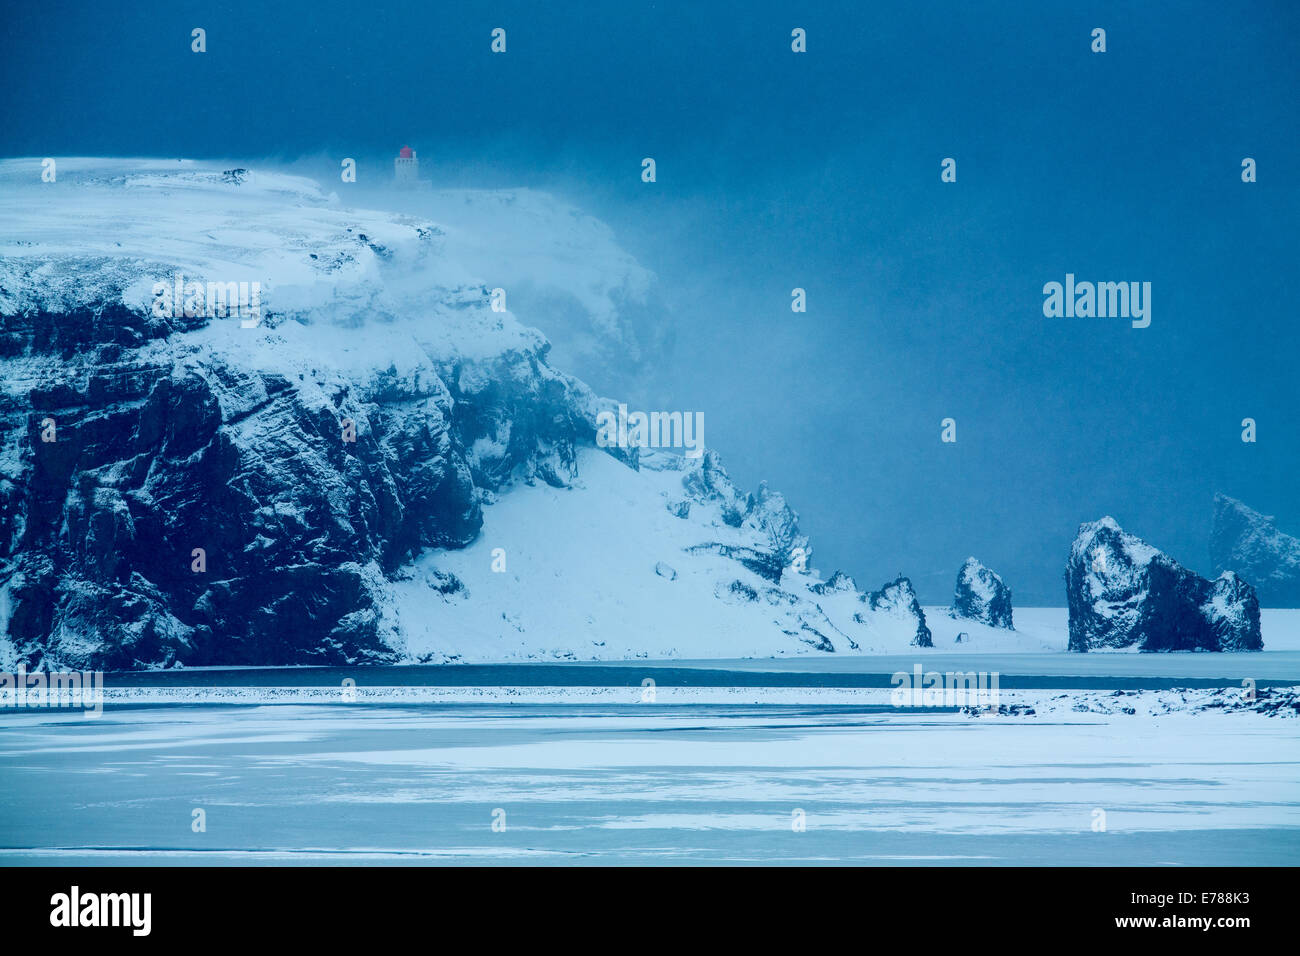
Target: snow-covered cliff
column 377, row 467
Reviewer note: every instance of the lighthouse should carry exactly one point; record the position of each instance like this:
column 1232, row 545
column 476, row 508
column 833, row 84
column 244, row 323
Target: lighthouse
column 406, row 168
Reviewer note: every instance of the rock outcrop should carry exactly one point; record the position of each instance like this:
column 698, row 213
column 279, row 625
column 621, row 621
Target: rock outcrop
column 981, row 596
column 1122, row 592
column 1250, row 543
column 898, row 599
column 836, row 583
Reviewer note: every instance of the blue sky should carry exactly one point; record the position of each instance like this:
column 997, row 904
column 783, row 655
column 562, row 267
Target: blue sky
column 821, row 170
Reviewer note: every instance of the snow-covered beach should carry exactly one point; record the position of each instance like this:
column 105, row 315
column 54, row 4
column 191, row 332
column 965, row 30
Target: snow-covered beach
column 625, row 782
column 795, row 761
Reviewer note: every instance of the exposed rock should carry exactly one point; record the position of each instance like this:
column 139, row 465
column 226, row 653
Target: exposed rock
column 838, row 582
column 1283, row 702
column 1122, row 592
column 999, row 710
column 1250, row 543
column 444, row 583
column 981, row 596
column 737, row 592
column 711, row 483
column 765, row 513
column 296, row 527
column 1233, row 613
column 898, row 598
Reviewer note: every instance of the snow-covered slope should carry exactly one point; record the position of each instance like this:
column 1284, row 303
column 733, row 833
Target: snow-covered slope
column 608, row 569
column 327, row 483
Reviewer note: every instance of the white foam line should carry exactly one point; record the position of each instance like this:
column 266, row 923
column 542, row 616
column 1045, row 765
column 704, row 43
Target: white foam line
column 1055, row 701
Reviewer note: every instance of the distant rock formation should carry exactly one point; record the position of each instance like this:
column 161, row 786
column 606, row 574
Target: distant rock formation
column 981, row 596
column 1249, row 543
column 1122, row 592
column 899, row 598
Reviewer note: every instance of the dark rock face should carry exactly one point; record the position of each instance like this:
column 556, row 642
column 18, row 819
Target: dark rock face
column 1122, row 592
column 1233, row 612
column 125, row 461
column 898, row 597
column 981, row 596
column 1251, row 544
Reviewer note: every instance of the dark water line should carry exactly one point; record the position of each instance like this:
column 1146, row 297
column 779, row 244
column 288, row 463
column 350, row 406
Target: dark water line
column 621, row 675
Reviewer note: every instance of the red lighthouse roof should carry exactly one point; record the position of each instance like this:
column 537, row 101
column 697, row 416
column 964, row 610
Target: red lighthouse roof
column 406, row 152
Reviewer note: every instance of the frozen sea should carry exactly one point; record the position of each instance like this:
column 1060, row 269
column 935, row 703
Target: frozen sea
column 576, row 768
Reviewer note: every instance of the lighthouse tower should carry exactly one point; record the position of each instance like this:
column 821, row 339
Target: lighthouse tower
column 406, row 168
